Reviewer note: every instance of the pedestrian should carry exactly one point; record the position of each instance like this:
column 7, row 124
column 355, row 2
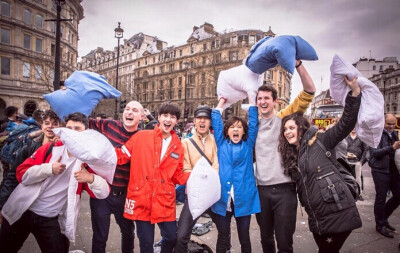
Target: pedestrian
column 156, row 165
column 277, row 220
column 37, row 204
column 386, row 176
column 239, row 196
column 48, row 121
column 357, row 156
column 117, row 132
column 306, row 156
column 205, row 141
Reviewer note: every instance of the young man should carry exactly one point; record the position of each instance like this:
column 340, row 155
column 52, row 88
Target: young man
column 101, row 209
column 42, row 195
column 276, row 189
column 156, row 158
column 206, row 142
column 48, row 121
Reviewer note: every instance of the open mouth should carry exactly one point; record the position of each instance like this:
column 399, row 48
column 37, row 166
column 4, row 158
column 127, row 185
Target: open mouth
column 167, row 125
column 202, row 126
column 130, row 120
column 289, row 138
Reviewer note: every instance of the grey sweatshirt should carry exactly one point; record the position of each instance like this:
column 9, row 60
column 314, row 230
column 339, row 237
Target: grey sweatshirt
column 269, row 169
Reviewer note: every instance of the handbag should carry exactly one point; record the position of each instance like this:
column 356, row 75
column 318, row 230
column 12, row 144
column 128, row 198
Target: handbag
column 343, row 169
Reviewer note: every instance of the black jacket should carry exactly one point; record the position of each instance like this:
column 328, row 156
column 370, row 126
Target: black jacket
column 10, row 181
column 358, row 148
column 315, row 167
column 380, row 156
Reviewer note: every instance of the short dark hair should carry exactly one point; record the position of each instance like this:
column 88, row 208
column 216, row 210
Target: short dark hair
column 268, row 88
column 171, row 108
column 78, row 117
column 232, row 120
column 11, row 110
column 50, row 114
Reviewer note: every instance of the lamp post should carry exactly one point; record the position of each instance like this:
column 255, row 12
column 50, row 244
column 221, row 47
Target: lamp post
column 186, row 84
column 119, row 33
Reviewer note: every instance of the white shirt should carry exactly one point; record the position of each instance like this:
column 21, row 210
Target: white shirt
column 165, row 145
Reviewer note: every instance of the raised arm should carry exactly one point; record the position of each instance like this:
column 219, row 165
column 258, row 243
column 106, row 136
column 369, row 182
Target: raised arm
column 217, row 123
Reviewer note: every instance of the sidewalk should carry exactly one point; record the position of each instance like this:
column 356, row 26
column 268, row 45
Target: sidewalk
column 365, row 239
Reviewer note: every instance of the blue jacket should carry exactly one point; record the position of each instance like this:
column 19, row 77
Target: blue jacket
column 380, row 156
column 236, row 168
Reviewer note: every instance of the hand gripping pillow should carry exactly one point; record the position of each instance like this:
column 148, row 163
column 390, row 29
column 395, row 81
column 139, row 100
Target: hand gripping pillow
column 237, row 83
column 90, row 147
column 203, row 188
column 370, row 120
column 83, row 92
column 282, row 50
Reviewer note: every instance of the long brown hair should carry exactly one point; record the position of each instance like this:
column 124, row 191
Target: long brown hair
column 289, row 152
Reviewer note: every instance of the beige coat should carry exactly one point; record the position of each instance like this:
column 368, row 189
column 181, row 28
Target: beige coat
column 192, row 155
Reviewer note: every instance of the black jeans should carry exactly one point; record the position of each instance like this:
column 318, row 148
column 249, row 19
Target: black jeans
column 223, row 224
column 383, row 182
column 185, row 226
column 46, row 231
column 330, row 243
column 278, row 216
column 145, row 233
column 101, row 210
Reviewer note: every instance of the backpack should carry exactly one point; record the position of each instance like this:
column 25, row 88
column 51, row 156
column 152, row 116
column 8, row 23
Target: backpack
column 15, row 140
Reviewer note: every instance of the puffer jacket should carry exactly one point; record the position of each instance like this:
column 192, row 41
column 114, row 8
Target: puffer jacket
column 380, row 156
column 315, row 177
column 10, row 182
column 236, row 168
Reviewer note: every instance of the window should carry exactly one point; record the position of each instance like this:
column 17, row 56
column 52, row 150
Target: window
column 191, row 48
column 203, row 77
column 204, row 60
column 5, row 9
column 171, row 67
column 53, row 27
column 191, row 78
column 38, row 72
column 268, row 74
column 374, row 67
column 26, row 70
column 39, row 43
column 161, row 69
column 171, row 94
column 204, row 47
column 380, row 67
column 27, row 41
column 5, row 36
column 234, row 40
column 5, row 66
column 203, row 92
column 154, row 71
column 252, row 39
column 180, row 81
column 171, row 83
column 27, row 16
column 180, row 52
column 53, row 50
column 280, row 76
column 138, row 63
column 39, row 21
column 218, row 58
column 233, row 56
column 179, row 94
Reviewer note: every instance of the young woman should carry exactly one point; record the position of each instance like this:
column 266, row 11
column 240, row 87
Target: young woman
column 239, row 194
column 331, row 208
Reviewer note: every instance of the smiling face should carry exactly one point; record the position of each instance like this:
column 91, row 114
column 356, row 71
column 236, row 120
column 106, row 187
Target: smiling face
column 167, row 123
column 47, row 127
column 290, row 131
column 266, row 103
column 202, row 125
column 131, row 116
column 236, row 131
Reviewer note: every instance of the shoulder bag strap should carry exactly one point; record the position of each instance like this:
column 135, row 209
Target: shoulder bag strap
column 200, row 151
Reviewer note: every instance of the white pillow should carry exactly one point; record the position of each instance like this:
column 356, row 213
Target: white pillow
column 397, row 159
column 370, row 120
column 203, row 188
column 91, row 147
column 237, row 83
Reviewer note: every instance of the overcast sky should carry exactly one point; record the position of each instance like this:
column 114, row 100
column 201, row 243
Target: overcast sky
column 350, row 29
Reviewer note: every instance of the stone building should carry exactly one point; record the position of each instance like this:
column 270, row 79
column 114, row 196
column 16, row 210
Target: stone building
column 370, row 67
column 28, row 47
column 153, row 72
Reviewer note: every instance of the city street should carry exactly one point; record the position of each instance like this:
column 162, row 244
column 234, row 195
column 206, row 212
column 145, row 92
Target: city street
column 365, row 239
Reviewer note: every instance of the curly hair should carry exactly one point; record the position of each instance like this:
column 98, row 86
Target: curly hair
column 289, row 152
column 232, row 120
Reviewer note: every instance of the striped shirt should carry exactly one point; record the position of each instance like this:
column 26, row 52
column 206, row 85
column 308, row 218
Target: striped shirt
column 118, row 136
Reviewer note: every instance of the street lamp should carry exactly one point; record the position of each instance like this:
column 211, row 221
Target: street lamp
column 119, row 33
column 185, row 113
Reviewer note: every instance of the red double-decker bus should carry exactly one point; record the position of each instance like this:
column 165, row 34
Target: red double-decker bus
column 323, row 115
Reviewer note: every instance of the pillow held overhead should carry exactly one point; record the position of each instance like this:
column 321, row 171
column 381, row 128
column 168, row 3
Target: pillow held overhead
column 282, row 50
column 83, row 92
column 370, row 119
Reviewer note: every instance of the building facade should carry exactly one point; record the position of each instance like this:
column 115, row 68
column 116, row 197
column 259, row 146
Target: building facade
column 28, row 47
column 154, row 72
column 370, row 67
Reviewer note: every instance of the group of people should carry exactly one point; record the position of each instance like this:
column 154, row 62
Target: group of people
column 290, row 156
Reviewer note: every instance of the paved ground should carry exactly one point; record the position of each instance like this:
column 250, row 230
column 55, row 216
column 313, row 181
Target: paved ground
column 365, row 239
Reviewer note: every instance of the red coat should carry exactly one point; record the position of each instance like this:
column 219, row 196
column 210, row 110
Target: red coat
column 151, row 188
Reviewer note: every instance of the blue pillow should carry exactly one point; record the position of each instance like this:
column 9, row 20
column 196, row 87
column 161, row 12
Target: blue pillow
column 83, row 92
column 282, row 50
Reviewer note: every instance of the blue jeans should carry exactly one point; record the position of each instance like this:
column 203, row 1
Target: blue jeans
column 223, row 224
column 145, row 233
column 384, row 182
column 278, row 216
column 101, row 210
